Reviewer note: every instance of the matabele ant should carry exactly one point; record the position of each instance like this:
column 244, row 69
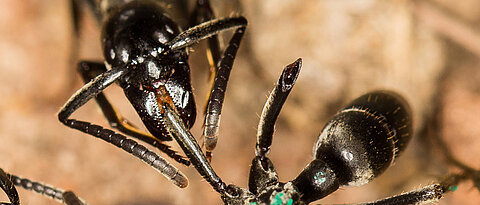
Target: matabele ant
column 358, row 144
column 145, row 53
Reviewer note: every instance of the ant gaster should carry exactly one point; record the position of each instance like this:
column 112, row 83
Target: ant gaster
column 146, row 55
column 360, row 142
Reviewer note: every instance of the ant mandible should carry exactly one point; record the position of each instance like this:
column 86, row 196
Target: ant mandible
column 146, row 54
column 360, row 142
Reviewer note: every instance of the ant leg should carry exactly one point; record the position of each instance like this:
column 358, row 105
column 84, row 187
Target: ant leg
column 196, row 34
column 90, row 90
column 424, row 195
column 217, row 93
column 205, row 30
column 70, row 198
column 190, row 147
column 262, row 172
column 9, row 188
column 66, row 197
column 273, row 106
column 90, row 70
column 203, row 12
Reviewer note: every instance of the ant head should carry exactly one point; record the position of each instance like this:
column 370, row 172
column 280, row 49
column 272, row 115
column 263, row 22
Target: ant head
column 134, row 33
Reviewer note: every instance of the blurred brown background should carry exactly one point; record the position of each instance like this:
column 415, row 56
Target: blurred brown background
column 417, row 48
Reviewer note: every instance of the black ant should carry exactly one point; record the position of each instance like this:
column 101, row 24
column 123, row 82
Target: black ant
column 145, row 54
column 357, row 145
column 360, row 142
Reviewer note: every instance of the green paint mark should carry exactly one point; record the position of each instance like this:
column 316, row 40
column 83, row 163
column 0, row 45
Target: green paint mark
column 278, row 200
column 453, row 188
column 252, row 203
column 319, row 176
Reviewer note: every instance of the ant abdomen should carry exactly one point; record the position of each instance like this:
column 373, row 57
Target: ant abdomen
column 364, row 138
column 357, row 145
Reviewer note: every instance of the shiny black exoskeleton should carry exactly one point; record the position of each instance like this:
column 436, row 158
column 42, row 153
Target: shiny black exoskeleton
column 8, row 182
column 146, row 54
column 360, row 142
column 135, row 35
